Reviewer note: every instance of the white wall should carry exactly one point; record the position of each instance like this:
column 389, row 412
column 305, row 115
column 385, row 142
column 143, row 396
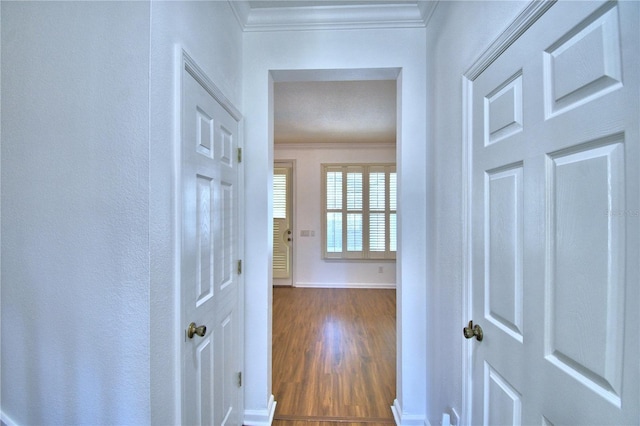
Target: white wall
column 401, row 48
column 89, row 330
column 209, row 32
column 75, row 207
column 457, row 34
column 309, row 268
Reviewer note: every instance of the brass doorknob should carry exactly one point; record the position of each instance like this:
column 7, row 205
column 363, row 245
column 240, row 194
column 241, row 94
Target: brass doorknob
column 200, row 331
column 473, row 330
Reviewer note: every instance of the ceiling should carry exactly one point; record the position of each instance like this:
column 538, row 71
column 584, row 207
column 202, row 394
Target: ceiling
column 355, row 111
column 335, row 112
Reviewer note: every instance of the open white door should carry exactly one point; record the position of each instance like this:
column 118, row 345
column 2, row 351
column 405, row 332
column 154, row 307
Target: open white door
column 210, row 251
column 555, row 221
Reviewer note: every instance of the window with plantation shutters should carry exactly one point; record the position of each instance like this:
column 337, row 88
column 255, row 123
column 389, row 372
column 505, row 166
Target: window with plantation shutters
column 359, row 211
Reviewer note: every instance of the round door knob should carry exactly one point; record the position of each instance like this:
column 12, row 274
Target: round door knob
column 200, row 330
column 473, row 330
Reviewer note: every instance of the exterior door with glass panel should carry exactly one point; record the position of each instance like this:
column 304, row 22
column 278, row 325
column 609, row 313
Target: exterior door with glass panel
column 282, row 224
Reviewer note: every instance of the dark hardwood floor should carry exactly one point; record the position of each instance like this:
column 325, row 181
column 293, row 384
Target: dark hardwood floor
column 334, row 356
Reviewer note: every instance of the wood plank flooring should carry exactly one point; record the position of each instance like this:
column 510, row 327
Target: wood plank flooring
column 334, row 356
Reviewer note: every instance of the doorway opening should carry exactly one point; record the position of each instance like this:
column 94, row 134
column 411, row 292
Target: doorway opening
column 351, row 120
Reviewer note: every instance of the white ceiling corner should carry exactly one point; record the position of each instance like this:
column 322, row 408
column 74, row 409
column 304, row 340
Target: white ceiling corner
column 241, row 9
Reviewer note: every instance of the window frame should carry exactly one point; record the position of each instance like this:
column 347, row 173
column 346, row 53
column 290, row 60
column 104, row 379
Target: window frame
column 366, row 169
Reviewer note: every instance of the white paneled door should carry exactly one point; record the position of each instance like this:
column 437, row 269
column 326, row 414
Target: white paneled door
column 555, row 221
column 210, row 308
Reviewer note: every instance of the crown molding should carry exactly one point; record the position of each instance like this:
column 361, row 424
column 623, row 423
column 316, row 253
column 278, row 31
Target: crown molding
column 316, row 17
column 242, row 10
column 427, row 8
column 530, row 14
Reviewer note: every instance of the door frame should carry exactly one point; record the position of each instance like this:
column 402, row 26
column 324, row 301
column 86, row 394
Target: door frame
column 184, row 63
column 529, row 15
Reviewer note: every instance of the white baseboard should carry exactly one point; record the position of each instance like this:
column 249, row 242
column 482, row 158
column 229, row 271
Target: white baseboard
column 347, row 285
column 404, row 419
column 261, row 417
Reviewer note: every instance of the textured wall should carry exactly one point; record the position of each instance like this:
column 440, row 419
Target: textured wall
column 457, row 34
column 75, row 205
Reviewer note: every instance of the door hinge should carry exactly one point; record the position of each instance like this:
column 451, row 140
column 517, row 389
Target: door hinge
column 239, row 379
column 239, row 155
column 239, row 267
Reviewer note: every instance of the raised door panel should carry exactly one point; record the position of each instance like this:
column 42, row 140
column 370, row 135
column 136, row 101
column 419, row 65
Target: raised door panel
column 503, row 250
column 585, row 63
column 205, row 371
column 586, row 285
column 502, row 402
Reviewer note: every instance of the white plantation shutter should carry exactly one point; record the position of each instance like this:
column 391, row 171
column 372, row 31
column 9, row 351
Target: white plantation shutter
column 333, row 214
column 354, row 231
column 393, row 190
column 279, row 196
column 377, row 204
column 334, row 190
column 376, row 232
column 359, row 203
column 334, row 232
column 392, row 233
column 354, row 209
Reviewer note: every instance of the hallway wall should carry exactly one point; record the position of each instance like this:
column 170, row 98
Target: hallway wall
column 75, row 207
column 89, row 329
column 457, row 34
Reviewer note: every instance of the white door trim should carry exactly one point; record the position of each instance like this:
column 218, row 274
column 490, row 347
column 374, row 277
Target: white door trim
column 196, row 72
column 529, row 15
column 185, row 62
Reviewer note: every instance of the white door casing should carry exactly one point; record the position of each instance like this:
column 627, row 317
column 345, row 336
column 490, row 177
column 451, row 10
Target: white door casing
column 554, row 219
column 209, row 196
